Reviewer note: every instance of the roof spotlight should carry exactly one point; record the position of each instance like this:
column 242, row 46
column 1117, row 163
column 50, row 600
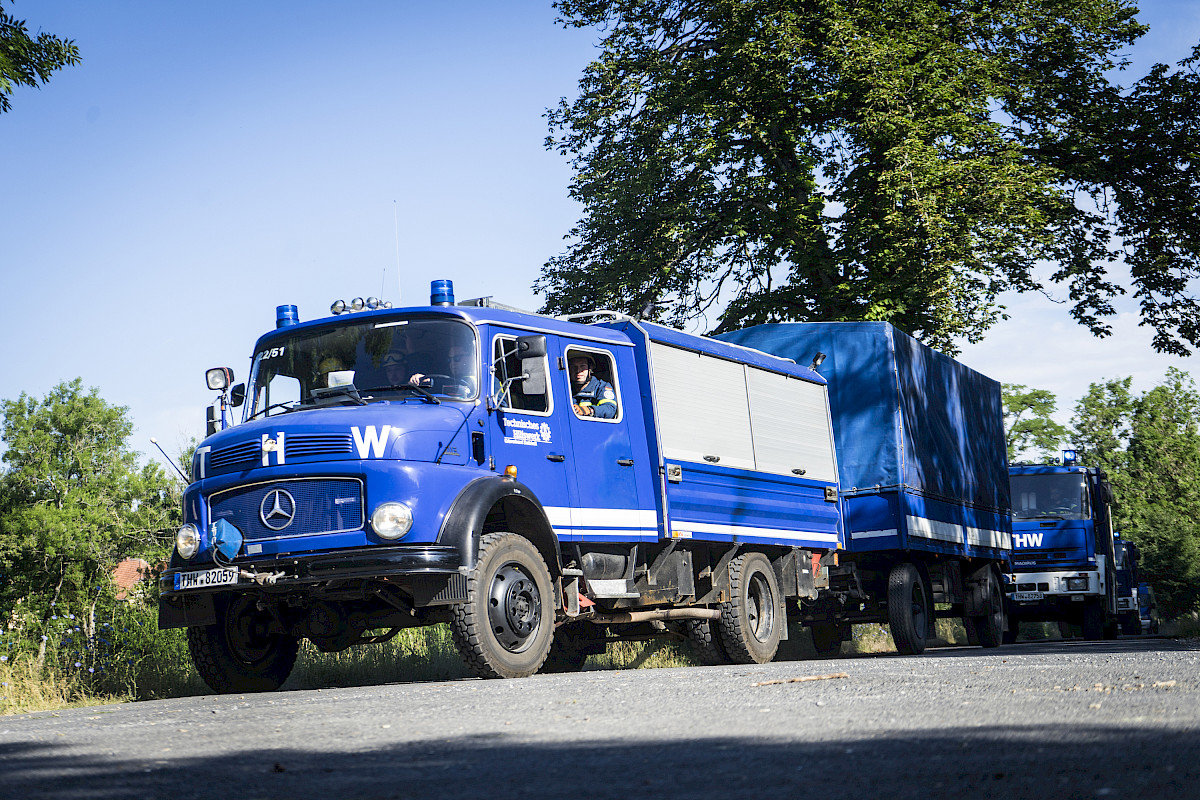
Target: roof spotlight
column 373, row 303
column 338, row 307
column 356, row 304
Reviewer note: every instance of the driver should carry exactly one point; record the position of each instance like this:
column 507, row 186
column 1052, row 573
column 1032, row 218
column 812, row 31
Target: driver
column 459, row 377
column 592, row 396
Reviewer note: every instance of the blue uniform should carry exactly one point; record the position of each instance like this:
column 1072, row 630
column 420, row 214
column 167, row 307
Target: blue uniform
column 598, row 395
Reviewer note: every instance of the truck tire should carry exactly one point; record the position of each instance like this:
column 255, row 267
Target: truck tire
column 704, row 641
column 989, row 627
column 827, row 637
column 1093, row 619
column 568, row 651
column 239, row 653
column 751, row 624
column 909, row 609
column 1131, row 625
column 505, row 627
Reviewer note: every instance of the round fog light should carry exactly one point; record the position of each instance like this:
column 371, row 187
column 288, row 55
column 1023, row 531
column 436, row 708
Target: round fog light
column 391, row 520
column 187, row 541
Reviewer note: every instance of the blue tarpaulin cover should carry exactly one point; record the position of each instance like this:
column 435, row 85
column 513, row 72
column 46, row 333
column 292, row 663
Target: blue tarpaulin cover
column 904, row 415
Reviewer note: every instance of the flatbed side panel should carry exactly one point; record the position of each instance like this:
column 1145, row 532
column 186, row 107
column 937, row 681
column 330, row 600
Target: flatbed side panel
column 722, row 504
column 894, row 520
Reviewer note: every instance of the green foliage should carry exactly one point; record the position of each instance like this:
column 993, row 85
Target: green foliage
column 74, row 503
column 25, row 61
column 1150, row 448
column 872, row 160
column 1028, row 424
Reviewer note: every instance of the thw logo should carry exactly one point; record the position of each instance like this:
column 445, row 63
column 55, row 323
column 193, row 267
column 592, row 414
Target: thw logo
column 1027, row 540
column 371, row 444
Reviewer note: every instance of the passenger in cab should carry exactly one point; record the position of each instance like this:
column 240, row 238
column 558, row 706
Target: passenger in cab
column 592, row 396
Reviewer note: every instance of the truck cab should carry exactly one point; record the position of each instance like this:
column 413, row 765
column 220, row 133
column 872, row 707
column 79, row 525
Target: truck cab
column 1064, row 558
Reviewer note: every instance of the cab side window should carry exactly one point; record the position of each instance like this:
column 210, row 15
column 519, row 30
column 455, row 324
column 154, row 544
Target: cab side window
column 532, row 394
column 593, row 384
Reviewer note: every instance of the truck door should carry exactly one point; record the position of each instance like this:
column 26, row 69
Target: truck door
column 524, row 430
column 609, row 502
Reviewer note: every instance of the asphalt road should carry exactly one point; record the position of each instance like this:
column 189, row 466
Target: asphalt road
column 1047, row 720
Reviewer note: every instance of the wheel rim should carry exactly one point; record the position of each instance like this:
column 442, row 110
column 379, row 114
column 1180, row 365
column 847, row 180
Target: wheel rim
column 760, row 608
column 514, row 608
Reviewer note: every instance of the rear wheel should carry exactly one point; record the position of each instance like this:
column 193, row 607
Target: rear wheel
column 240, row 653
column 909, row 609
column 827, row 637
column 751, row 623
column 505, row 627
column 989, row 627
column 705, row 642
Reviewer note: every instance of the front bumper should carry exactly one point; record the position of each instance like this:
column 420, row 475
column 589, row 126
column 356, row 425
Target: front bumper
column 429, row 574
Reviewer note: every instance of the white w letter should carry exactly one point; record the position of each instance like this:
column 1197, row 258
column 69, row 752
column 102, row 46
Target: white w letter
column 371, row 442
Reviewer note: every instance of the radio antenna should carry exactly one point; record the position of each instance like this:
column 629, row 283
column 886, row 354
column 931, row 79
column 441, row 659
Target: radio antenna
column 170, row 461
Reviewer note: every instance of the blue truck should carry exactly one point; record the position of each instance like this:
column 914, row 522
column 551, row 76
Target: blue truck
column 547, row 486
column 1064, row 561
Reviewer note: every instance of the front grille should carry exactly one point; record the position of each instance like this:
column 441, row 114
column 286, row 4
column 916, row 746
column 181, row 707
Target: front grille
column 321, row 505
column 306, row 445
column 244, row 455
column 242, row 452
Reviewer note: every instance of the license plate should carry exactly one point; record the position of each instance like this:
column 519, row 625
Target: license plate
column 1025, row 597
column 225, row 576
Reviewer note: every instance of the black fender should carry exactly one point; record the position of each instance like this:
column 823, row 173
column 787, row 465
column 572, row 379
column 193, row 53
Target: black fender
column 518, row 508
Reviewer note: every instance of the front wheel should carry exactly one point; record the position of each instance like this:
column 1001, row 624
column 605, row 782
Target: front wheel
column 505, row 627
column 241, row 653
column 751, row 624
column 909, row 609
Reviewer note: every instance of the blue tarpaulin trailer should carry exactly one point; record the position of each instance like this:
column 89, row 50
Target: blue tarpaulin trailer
column 922, row 465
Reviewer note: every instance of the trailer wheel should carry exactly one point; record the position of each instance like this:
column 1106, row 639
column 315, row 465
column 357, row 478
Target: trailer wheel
column 240, row 653
column 505, row 627
column 705, row 642
column 827, row 637
column 989, row 627
column 908, row 609
column 751, row 623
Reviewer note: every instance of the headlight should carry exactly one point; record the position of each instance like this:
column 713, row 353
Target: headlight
column 392, row 520
column 1077, row 584
column 187, row 541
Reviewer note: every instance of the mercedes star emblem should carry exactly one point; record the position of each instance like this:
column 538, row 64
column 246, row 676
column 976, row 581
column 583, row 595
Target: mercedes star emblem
column 278, row 509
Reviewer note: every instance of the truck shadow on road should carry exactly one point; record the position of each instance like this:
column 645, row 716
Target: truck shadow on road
column 1034, row 761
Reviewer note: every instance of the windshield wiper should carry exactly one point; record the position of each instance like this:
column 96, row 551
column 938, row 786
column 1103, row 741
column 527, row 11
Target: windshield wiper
column 290, row 405
column 425, row 394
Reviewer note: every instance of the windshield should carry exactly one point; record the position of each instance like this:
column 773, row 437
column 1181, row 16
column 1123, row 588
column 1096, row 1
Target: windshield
column 1050, row 496
column 392, row 359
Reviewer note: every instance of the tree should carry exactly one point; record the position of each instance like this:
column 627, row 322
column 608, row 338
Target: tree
column 871, row 160
column 73, row 503
column 1027, row 421
column 25, row 61
column 1150, row 448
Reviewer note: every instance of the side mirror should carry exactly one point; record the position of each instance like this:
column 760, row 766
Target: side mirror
column 211, row 425
column 531, row 347
column 219, row 378
column 237, row 395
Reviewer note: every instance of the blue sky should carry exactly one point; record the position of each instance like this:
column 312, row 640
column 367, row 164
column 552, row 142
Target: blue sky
column 207, row 162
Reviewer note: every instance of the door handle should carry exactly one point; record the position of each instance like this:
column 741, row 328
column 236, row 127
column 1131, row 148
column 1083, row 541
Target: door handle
column 556, row 458
column 625, row 462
